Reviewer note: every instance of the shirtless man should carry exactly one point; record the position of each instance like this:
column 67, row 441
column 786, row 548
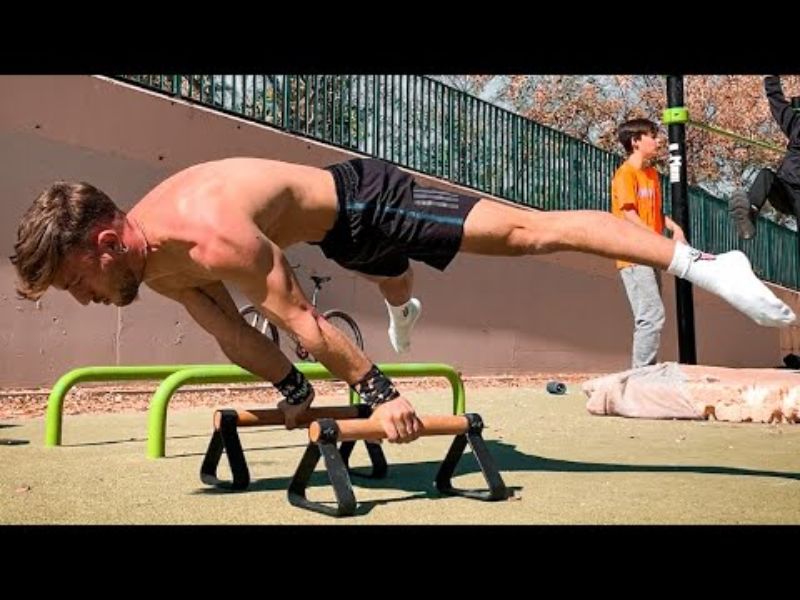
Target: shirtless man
column 230, row 220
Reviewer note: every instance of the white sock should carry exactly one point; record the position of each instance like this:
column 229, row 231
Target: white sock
column 401, row 321
column 731, row 277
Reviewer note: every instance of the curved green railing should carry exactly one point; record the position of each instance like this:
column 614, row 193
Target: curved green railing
column 55, row 402
column 176, row 376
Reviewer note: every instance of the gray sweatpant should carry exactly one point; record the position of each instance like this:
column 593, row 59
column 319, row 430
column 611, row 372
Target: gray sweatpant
column 643, row 286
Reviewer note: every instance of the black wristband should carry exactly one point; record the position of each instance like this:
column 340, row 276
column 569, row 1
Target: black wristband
column 375, row 388
column 295, row 387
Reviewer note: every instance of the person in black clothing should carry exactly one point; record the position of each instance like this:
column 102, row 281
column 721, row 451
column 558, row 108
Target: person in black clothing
column 781, row 188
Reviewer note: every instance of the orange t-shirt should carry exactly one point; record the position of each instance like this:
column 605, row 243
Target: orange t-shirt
column 640, row 190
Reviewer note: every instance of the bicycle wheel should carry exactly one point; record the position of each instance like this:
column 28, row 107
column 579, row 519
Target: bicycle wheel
column 346, row 324
column 254, row 317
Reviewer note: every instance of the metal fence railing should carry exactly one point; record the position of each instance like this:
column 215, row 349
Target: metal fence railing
column 423, row 124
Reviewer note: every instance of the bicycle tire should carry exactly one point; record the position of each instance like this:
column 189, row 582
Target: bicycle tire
column 335, row 314
column 258, row 321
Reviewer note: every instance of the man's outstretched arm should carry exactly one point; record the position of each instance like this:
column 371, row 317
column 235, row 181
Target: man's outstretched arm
column 212, row 307
column 788, row 120
column 258, row 267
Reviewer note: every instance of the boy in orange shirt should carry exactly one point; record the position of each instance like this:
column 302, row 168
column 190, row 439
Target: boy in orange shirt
column 636, row 197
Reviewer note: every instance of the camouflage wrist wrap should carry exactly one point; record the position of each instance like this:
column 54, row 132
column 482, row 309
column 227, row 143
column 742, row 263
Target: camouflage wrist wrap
column 294, row 387
column 375, row 388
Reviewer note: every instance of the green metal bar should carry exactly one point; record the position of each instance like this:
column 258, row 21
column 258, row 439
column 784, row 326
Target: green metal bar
column 264, row 99
column 254, row 99
column 469, row 141
column 233, row 94
column 285, row 111
column 342, row 112
column 274, row 81
column 324, row 135
column 390, row 132
column 296, row 116
column 375, row 118
column 384, row 129
column 503, row 153
column 495, row 147
column 429, row 112
column 444, row 147
column 501, row 149
column 340, row 89
column 498, row 154
column 306, row 93
column 350, row 111
column 157, row 420
column 476, row 142
column 460, row 123
column 514, row 157
column 399, row 142
column 526, row 146
column 450, row 134
column 415, row 163
column 469, row 149
column 314, row 105
column 409, row 122
column 359, row 79
column 243, row 108
column 397, row 135
column 55, row 402
column 384, row 115
column 550, row 174
column 334, row 89
column 438, row 137
column 480, row 150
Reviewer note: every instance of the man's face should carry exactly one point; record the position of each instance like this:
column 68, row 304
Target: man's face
column 102, row 277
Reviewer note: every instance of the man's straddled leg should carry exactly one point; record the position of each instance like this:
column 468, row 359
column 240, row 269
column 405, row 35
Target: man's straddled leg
column 384, row 221
column 404, row 310
column 745, row 206
column 402, row 319
column 495, row 228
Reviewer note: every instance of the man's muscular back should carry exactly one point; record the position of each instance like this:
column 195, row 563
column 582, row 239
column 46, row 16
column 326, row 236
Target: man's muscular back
column 189, row 216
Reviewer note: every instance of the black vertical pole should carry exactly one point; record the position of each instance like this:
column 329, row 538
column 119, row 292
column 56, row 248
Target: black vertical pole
column 675, row 117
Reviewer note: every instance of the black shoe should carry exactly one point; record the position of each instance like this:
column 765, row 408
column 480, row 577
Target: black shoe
column 792, row 361
column 743, row 215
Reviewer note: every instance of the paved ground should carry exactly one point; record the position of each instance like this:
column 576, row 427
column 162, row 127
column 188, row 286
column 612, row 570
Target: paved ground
column 565, row 465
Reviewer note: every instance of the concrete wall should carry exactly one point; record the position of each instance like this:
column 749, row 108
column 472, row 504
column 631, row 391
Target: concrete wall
column 484, row 315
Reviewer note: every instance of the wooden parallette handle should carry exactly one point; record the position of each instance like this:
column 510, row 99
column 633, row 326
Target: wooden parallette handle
column 371, row 429
column 273, row 416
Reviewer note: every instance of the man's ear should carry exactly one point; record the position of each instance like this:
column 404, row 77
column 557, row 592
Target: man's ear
column 109, row 241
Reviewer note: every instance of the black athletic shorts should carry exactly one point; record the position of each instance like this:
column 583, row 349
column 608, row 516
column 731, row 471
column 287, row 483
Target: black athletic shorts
column 384, row 219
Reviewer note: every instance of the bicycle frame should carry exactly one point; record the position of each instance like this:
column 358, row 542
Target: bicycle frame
column 315, row 294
